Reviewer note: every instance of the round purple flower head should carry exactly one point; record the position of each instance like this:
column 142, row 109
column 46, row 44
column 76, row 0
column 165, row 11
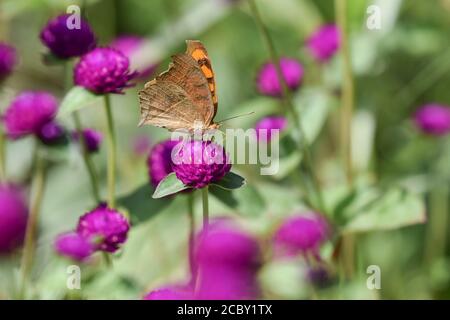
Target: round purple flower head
column 52, row 133
column 106, row 228
column 324, row 42
column 104, row 70
column 13, row 217
column 74, row 246
column 300, row 234
column 265, row 125
column 8, row 60
column 159, row 161
column 171, row 292
column 28, row 113
column 129, row 45
column 227, row 261
column 433, row 119
column 198, row 163
column 65, row 40
column 267, row 80
column 92, row 138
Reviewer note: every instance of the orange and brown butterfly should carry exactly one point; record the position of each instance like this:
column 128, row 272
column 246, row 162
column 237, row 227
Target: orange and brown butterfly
column 184, row 96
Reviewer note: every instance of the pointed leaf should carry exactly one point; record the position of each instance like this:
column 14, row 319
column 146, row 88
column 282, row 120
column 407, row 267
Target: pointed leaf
column 230, row 181
column 76, row 99
column 169, row 185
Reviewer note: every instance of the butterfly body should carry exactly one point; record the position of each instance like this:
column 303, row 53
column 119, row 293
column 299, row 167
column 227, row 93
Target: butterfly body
column 184, row 96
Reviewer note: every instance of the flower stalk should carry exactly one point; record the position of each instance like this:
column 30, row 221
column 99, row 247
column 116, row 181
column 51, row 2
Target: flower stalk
column 111, row 140
column 205, row 203
column 287, row 98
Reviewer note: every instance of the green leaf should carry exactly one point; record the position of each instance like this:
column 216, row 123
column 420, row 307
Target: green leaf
column 140, row 205
column 230, row 181
column 76, row 99
column 247, row 201
column 373, row 210
column 169, row 185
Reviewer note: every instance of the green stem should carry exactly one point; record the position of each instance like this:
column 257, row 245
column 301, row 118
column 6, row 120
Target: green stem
column 111, row 154
column 347, row 91
column 191, row 239
column 302, row 141
column 87, row 158
column 32, row 223
column 2, row 157
column 205, row 208
column 107, row 259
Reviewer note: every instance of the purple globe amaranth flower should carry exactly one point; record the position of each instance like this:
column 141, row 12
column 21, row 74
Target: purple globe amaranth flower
column 106, row 228
column 159, row 161
column 13, row 217
column 129, row 45
column 65, row 39
column 8, row 60
column 433, row 119
column 324, row 42
column 74, row 246
column 92, row 139
column 268, row 83
column 198, row 163
column 52, row 133
column 171, row 292
column 227, row 260
column 28, row 113
column 104, row 70
column 301, row 234
column 265, row 125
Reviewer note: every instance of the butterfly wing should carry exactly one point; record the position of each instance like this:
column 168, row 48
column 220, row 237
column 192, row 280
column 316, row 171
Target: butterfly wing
column 177, row 98
column 198, row 52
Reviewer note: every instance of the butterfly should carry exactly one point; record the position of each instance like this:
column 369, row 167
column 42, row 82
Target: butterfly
column 184, row 96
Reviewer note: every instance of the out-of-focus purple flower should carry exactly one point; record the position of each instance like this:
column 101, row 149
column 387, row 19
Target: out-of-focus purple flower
column 141, row 145
column 92, row 139
column 52, row 133
column 198, row 163
column 8, row 60
column 268, row 83
column 227, row 260
column 74, row 246
column 65, row 40
column 129, row 45
column 13, row 217
column 301, row 234
column 159, row 161
column 318, row 276
column 104, row 70
column 106, row 228
column 28, row 113
column 174, row 292
column 433, row 119
column 265, row 125
column 324, row 42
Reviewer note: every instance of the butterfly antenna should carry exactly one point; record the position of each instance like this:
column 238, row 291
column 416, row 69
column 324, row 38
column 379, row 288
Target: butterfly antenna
column 238, row 116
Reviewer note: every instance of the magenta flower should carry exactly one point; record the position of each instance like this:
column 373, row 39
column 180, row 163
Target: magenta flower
column 129, row 45
column 13, row 217
column 199, row 163
column 92, row 138
column 227, row 260
column 267, row 80
column 265, row 125
column 324, row 42
column 74, row 246
column 159, row 161
column 52, row 133
column 8, row 60
column 104, row 70
column 301, row 234
column 106, row 228
column 28, row 113
column 173, row 292
column 433, row 119
column 65, row 40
